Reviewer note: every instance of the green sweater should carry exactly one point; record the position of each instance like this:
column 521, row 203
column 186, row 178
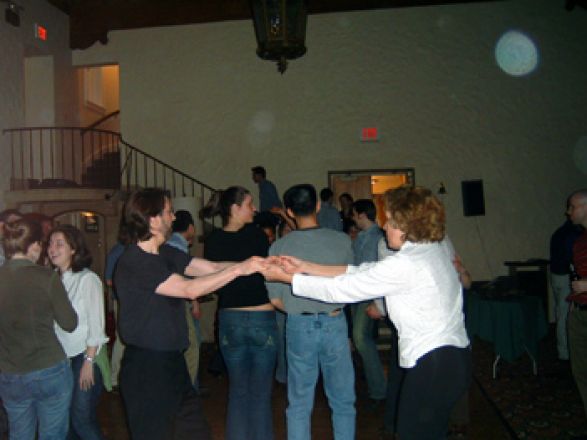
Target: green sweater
column 32, row 298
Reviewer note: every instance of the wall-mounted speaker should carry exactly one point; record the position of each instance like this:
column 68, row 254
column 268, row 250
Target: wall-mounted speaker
column 473, row 199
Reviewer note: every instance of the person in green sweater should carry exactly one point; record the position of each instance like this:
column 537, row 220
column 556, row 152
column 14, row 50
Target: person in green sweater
column 36, row 382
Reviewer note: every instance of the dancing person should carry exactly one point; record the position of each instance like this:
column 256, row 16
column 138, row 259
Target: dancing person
column 36, row 382
column 316, row 333
column 577, row 320
column 423, row 298
column 155, row 385
column 365, row 249
column 69, row 254
column 247, row 326
column 328, row 216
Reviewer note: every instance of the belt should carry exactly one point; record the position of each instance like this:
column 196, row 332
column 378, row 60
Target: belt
column 577, row 306
column 333, row 313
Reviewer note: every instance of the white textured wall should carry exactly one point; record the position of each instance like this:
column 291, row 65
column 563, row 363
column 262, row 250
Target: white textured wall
column 198, row 97
column 16, row 43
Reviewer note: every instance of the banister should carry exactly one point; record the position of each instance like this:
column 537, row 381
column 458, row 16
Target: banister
column 99, row 121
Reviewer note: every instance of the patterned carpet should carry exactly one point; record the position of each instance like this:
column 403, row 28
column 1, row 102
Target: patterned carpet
column 546, row 406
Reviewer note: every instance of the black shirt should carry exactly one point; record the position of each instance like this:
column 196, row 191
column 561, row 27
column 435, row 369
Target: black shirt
column 246, row 291
column 147, row 319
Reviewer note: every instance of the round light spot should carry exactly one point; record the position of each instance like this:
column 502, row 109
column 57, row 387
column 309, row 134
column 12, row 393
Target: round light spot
column 516, row 54
column 580, row 154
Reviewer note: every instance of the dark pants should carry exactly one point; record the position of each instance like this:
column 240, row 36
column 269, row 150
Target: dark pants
column 429, row 391
column 159, row 399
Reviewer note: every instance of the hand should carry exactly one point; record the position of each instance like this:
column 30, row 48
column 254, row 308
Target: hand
column 196, row 313
column 277, row 210
column 275, row 272
column 251, row 265
column 373, row 312
column 86, row 376
column 292, row 265
column 579, row 286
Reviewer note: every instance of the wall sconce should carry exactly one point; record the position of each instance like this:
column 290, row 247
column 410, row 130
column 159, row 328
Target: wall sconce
column 11, row 14
column 441, row 189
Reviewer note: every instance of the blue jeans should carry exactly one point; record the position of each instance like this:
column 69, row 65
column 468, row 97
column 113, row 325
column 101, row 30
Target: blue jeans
column 41, row 396
column 84, row 420
column 247, row 342
column 363, row 328
column 314, row 343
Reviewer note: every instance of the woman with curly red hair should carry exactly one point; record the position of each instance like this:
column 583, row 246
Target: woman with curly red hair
column 423, row 298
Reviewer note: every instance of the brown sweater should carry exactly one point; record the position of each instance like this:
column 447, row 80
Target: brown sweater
column 32, row 298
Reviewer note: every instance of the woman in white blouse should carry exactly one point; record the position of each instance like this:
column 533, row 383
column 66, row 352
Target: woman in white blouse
column 69, row 254
column 423, row 298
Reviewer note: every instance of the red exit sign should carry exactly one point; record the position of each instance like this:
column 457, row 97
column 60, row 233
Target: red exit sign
column 369, row 134
column 40, row 32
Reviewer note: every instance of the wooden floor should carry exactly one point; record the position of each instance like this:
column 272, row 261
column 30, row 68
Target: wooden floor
column 484, row 422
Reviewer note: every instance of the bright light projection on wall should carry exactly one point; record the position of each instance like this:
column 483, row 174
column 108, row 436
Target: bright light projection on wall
column 580, row 154
column 516, row 54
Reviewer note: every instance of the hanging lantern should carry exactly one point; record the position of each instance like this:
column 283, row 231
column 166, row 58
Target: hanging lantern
column 280, row 28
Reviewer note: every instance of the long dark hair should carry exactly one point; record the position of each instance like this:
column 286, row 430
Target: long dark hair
column 221, row 201
column 82, row 257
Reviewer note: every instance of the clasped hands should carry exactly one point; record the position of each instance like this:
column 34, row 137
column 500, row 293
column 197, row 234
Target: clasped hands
column 274, row 268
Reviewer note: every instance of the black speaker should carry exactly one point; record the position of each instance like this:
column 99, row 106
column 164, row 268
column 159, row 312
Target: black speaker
column 473, row 200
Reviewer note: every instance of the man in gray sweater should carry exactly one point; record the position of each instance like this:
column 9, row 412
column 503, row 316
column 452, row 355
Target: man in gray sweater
column 316, row 332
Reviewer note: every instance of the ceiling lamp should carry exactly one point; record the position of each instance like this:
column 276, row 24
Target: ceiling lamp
column 280, row 28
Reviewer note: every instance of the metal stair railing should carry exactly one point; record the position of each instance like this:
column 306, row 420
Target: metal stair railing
column 77, row 157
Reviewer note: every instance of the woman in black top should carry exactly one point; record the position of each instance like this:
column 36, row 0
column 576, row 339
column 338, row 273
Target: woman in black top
column 247, row 327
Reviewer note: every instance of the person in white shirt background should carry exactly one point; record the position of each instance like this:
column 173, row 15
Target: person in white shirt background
column 423, row 299
column 70, row 256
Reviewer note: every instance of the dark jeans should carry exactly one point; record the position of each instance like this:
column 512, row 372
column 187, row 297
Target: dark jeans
column 248, row 343
column 158, row 397
column 428, row 392
column 83, row 416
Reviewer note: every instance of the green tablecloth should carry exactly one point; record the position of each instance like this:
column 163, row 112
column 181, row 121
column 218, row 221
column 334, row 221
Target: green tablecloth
column 513, row 323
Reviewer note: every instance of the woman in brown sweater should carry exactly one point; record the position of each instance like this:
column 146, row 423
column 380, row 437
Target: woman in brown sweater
column 35, row 380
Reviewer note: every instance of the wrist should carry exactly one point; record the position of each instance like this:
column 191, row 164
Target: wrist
column 89, row 358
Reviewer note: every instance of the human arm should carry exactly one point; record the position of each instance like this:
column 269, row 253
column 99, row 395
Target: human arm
column 374, row 312
column 286, row 218
column 464, row 275
column 293, row 265
column 368, row 281
column 180, row 287
column 199, row 267
column 93, row 308
column 63, row 312
column 579, row 286
column 196, row 312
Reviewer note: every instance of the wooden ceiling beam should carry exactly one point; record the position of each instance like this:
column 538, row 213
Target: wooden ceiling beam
column 91, row 20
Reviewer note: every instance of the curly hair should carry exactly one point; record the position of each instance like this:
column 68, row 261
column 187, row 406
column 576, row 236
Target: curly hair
column 417, row 213
column 82, row 257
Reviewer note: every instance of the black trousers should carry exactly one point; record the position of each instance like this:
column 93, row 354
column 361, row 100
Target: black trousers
column 430, row 390
column 158, row 397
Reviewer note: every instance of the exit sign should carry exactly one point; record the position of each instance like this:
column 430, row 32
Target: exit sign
column 40, row 32
column 369, row 134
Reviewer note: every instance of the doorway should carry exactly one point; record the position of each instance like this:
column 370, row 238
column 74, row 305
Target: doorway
column 370, row 184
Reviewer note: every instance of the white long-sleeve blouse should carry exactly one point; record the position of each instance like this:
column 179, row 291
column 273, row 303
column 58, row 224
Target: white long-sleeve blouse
column 422, row 292
column 86, row 293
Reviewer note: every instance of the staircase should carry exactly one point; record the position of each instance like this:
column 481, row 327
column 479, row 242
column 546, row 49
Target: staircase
column 89, row 158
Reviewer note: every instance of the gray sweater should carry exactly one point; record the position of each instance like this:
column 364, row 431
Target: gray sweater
column 319, row 245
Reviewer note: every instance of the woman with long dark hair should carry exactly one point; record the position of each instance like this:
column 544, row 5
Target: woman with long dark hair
column 423, row 298
column 35, row 379
column 69, row 254
column 247, row 326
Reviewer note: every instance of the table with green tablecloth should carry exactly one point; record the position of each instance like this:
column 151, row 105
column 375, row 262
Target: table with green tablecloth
column 514, row 324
